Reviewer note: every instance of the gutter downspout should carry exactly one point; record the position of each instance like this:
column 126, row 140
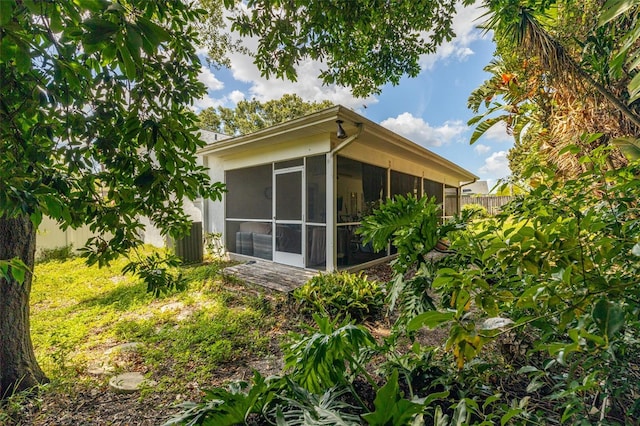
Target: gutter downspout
column 460, row 194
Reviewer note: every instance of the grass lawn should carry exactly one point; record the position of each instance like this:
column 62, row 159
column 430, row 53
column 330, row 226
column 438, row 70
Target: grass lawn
column 187, row 341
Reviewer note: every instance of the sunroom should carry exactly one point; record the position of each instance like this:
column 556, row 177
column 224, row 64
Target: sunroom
column 297, row 191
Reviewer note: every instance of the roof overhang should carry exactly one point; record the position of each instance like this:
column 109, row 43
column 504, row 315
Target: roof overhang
column 324, row 123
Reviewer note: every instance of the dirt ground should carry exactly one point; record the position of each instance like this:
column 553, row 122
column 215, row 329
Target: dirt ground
column 88, row 403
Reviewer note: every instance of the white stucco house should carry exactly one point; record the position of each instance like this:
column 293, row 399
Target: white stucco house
column 298, row 190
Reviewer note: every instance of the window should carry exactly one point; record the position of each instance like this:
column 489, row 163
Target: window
column 316, row 177
column 404, row 184
column 249, row 210
column 360, row 188
column 434, row 189
column 249, row 193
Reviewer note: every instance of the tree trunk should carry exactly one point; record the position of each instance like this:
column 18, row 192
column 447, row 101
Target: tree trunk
column 19, row 369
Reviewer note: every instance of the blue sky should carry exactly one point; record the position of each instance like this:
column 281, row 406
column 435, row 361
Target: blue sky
column 430, row 109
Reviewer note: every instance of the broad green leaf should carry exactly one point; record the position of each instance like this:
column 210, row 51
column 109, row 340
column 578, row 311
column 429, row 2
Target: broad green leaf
column 14, row 269
column 101, row 28
column 608, row 316
column 528, row 369
column 429, row 319
column 385, row 401
column 634, row 90
column 92, row 5
column 484, row 126
column 128, row 61
column 6, row 11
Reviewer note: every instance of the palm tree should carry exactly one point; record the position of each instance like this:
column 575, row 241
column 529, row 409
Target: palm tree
column 521, row 24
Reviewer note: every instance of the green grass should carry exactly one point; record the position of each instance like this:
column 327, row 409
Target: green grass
column 78, row 312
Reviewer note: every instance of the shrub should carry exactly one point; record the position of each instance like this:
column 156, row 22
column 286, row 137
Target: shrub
column 56, row 254
column 341, row 295
column 474, row 211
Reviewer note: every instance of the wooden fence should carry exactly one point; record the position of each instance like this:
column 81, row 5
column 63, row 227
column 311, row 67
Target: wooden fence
column 493, row 203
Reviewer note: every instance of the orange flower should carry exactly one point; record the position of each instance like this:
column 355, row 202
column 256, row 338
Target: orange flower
column 507, row 77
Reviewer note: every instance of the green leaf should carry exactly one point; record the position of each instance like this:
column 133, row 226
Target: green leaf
column 152, row 32
column 609, row 317
column 483, row 127
column 390, row 407
column 100, row 28
column 14, row 269
column 629, row 146
column 6, row 11
column 385, row 401
column 509, row 415
column 528, row 369
column 92, row 5
column 614, row 8
column 128, row 61
column 429, row 319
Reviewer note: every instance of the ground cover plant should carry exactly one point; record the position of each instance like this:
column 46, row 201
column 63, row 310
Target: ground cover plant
column 341, row 295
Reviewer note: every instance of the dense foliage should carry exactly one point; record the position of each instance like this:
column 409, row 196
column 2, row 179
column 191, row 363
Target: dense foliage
column 561, row 68
column 362, row 43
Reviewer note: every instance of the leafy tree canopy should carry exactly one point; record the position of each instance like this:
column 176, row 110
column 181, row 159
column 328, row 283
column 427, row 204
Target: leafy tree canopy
column 94, row 129
column 251, row 116
column 363, row 43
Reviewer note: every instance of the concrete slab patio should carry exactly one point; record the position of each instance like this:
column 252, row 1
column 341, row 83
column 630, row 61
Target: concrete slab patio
column 270, row 275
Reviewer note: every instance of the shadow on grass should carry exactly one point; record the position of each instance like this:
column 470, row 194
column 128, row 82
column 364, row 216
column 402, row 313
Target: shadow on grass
column 127, row 296
column 121, row 298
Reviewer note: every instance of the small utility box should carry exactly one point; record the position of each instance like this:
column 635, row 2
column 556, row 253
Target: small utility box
column 190, row 247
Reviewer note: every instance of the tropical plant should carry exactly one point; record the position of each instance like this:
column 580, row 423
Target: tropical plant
column 412, row 226
column 627, row 55
column 330, row 355
column 341, row 295
column 554, row 77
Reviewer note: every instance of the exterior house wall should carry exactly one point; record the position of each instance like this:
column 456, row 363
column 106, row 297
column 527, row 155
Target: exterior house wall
column 213, row 211
column 304, row 147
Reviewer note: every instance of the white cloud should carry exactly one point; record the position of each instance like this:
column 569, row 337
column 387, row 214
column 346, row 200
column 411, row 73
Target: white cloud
column 236, row 96
column 498, row 133
column 464, row 26
column 495, row 166
column 209, row 79
column 421, row 132
column 206, row 102
column 309, row 87
column 481, row 149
